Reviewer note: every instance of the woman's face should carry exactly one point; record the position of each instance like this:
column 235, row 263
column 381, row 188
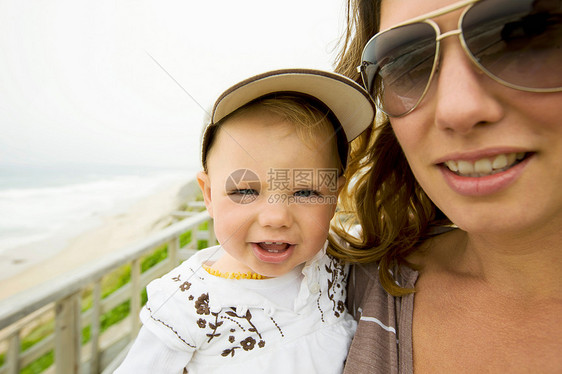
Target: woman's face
column 489, row 156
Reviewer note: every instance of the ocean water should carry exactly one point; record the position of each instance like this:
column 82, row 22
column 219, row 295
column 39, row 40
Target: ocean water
column 37, row 203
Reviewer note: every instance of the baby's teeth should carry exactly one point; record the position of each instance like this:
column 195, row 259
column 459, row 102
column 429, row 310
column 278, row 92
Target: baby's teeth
column 483, row 166
column 465, row 167
column 520, row 155
column 500, row 162
column 268, row 242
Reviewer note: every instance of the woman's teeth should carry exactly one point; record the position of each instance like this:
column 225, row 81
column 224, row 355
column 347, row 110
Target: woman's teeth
column 485, row 166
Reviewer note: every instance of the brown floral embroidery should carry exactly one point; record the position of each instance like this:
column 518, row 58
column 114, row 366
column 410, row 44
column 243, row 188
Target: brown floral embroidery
column 278, row 328
column 248, row 343
column 248, row 317
column 336, row 269
column 202, row 304
column 213, row 322
column 341, row 306
column 229, row 351
column 214, row 326
column 318, row 306
column 185, row 286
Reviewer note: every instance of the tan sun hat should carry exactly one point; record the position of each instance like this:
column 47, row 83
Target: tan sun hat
column 348, row 101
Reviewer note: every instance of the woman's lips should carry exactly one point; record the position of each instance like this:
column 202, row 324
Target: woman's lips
column 481, row 184
column 272, row 252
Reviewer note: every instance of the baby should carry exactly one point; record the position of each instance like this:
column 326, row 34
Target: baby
column 268, row 298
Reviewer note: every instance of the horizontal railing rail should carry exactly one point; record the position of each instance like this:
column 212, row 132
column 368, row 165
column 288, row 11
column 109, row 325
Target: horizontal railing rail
column 59, row 302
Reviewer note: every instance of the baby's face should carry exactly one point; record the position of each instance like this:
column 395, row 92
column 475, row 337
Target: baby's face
column 271, row 196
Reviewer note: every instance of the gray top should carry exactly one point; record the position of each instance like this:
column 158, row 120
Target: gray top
column 383, row 341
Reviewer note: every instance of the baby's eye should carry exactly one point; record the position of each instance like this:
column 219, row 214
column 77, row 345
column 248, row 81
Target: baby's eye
column 306, row 193
column 243, row 191
column 243, row 195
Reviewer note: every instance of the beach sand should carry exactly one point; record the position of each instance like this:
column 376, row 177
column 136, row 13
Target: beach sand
column 25, row 268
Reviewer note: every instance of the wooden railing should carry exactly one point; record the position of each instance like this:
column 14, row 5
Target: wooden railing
column 60, row 301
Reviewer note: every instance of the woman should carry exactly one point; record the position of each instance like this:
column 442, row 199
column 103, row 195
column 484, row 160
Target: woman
column 457, row 189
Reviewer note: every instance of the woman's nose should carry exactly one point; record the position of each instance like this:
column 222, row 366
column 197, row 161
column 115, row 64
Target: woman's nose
column 464, row 95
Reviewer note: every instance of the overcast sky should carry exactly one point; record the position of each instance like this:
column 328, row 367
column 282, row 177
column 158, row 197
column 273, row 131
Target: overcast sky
column 78, row 83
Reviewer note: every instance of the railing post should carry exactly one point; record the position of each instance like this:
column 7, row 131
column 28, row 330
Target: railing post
column 67, row 335
column 173, row 246
column 63, row 297
column 95, row 329
column 13, row 354
column 194, row 237
column 135, row 296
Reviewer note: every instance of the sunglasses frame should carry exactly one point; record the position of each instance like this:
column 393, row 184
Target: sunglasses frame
column 427, row 18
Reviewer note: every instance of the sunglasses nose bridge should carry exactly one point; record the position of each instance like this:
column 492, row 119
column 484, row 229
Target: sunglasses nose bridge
column 448, row 33
column 456, row 32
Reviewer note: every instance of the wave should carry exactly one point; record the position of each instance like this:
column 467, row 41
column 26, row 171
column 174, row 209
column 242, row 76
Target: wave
column 32, row 214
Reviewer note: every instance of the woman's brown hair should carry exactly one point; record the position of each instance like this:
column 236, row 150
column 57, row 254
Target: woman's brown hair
column 381, row 194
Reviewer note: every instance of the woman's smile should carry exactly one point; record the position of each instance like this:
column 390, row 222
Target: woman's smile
column 484, row 166
column 473, row 179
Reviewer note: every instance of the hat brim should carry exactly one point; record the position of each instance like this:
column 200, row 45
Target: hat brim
column 349, row 102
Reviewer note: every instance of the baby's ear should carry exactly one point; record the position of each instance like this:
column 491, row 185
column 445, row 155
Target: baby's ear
column 205, row 185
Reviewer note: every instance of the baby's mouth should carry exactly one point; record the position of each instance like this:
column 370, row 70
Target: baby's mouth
column 273, row 252
column 485, row 166
column 274, row 247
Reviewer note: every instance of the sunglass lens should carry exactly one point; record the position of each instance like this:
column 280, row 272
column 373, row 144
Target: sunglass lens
column 397, row 66
column 517, row 41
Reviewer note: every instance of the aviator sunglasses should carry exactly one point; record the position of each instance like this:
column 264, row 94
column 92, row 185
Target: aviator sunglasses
column 517, row 43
